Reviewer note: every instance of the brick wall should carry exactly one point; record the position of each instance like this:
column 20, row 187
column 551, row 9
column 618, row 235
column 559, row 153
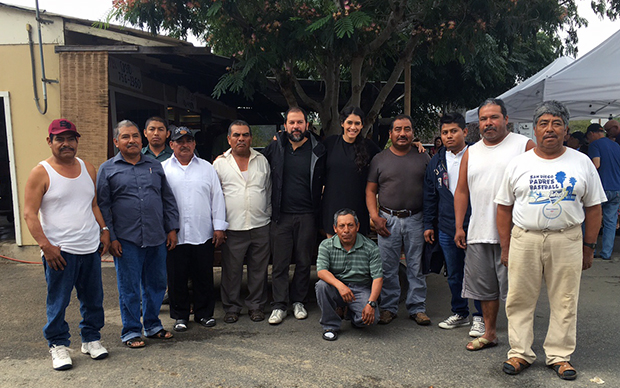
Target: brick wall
column 85, row 101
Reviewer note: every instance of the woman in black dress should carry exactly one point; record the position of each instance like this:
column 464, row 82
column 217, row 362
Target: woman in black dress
column 348, row 158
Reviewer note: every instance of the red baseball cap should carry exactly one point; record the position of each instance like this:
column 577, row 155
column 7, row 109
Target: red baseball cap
column 59, row 126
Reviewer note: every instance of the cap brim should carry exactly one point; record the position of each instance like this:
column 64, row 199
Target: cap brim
column 76, row 133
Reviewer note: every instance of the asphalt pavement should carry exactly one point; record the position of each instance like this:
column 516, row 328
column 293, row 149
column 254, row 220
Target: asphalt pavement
column 293, row 354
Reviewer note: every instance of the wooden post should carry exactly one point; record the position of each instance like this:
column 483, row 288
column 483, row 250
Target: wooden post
column 407, row 102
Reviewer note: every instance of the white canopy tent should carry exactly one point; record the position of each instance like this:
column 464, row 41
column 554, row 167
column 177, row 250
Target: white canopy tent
column 589, row 86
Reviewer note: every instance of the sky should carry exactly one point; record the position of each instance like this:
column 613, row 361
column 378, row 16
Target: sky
column 589, row 37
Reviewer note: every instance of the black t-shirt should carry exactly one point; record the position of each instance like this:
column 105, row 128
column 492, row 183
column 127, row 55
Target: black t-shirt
column 296, row 192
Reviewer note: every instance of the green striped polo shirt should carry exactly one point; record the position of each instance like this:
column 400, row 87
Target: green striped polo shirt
column 361, row 265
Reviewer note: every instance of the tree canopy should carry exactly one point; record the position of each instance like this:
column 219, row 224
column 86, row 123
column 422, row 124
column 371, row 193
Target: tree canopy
column 459, row 49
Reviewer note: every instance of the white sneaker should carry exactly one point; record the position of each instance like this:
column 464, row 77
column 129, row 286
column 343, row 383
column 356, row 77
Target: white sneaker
column 277, row 316
column 453, row 321
column 299, row 311
column 60, row 357
column 95, row 349
column 477, row 327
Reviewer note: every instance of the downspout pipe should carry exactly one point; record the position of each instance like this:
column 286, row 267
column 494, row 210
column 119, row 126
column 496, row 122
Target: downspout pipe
column 44, row 80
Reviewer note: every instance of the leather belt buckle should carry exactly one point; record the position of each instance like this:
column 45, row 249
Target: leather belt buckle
column 397, row 213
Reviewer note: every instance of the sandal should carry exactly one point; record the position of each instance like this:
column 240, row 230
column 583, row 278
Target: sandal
column 330, row 335
column 180, row 325
column 163, row 334
column 515, row 365
column 481, row 343
column 564, row 370
column 134, row 343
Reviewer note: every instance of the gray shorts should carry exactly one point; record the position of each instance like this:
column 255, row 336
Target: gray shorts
column 485, row 277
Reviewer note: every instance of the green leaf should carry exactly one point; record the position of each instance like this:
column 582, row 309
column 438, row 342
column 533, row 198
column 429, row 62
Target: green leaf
column 213, row 9
column 360, row 19
column 318, row 24
column 343, row 27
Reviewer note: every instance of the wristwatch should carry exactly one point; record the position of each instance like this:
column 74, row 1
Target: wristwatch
column 589, row 245
column 104, row 229
column 372, row 304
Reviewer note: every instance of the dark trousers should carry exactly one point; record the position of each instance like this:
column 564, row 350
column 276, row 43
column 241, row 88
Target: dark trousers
column 294, row 235
column 195, row 261
column 254, row 243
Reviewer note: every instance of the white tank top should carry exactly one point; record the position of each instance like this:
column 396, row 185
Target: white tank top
column 485, row 170
column 67, row 214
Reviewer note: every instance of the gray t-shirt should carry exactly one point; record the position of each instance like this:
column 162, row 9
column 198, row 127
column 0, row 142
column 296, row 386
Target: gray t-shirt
column 400, row 179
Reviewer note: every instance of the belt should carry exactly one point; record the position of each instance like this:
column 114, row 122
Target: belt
column 399, row 213
column 550, row 230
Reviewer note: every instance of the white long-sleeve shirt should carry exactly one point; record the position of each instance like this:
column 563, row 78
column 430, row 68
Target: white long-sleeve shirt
column 248, row 199
column 197, row 190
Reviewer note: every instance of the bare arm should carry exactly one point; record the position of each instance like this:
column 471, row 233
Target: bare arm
column 594, row 216
column 36, row 187
column 105, row 234
column 530, row 144
column 461, row 202
column 504, row 224
column 597, row 162
column 372, row 189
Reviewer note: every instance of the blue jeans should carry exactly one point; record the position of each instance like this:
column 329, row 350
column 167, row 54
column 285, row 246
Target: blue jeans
column 407, row 232
column 84, row 273
column 455, row 262
column 140, row 274
column 610, row 217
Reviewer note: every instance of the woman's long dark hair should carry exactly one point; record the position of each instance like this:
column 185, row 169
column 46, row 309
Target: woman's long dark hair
column 361, row 152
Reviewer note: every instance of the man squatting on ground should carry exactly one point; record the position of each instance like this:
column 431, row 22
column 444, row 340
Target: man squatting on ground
column 297, row 161
column 62, row 189
column 202, row 226
column 246, row 182
column 350, row 275
column 482, row 169
column 139, row 208
column 547, row 193
column 442, row 175
column 397, row 176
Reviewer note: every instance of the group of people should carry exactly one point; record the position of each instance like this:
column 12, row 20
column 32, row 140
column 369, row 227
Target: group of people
column 161, row 210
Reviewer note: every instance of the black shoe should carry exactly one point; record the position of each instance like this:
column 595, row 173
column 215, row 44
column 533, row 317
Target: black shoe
column 166, row 298
column 231, row 317
column 206, row 322
column 180, row 325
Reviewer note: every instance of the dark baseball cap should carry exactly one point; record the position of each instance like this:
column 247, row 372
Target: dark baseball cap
column 579, row 136
column 179, row 132
column 59, row 126
column 595, row 128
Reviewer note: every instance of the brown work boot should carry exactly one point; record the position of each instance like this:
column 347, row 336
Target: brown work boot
column 421, row 319
column 386, row 316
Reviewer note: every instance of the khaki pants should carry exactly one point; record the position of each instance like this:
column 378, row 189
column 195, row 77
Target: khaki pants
column 556, row 256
